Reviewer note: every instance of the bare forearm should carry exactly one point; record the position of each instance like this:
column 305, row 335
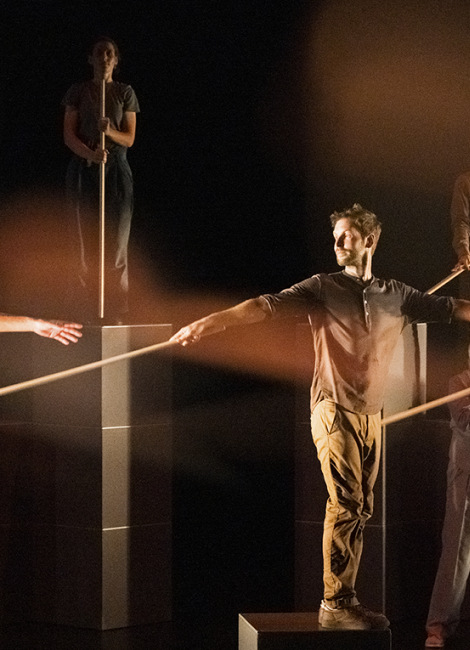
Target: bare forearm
column 249, row 311
column 124, row 138
column 81, row 149
column 16, row 323
column 78, row 147
column 74, row 143
column 58, row 330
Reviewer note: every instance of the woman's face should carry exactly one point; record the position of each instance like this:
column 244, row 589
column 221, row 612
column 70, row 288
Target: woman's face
column 103, row 59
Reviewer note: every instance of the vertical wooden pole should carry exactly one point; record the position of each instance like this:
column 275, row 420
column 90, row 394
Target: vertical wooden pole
column 102, row 207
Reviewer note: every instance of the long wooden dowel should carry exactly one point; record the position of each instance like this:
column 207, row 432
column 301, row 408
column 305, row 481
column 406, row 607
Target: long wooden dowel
column 440, row 284
column 425, row 407
column 71, row 372
column 102, row 206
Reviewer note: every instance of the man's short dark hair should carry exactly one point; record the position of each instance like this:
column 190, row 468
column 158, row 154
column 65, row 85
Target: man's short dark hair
column 365, row 221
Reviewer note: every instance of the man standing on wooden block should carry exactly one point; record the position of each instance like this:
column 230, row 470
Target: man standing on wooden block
column 356, row 321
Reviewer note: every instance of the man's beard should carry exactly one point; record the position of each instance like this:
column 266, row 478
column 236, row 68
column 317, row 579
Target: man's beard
column 348, row 258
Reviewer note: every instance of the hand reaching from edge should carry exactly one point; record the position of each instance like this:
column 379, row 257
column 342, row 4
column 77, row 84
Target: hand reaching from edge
column 60, row 331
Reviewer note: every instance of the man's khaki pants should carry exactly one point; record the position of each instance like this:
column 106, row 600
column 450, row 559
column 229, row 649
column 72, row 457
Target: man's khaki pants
column 348, row 447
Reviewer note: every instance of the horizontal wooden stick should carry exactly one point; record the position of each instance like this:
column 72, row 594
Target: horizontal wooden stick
column 63, row 374
column 425, row 407
column 440, row 284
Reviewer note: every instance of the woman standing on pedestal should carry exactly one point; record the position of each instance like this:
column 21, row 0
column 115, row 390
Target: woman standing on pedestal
column 83, row 126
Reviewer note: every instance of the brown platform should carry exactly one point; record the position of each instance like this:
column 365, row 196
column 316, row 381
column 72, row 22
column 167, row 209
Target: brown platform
column 300, row 631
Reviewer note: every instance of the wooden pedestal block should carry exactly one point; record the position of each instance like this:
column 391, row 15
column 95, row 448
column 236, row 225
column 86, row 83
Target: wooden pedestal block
column 300, row 631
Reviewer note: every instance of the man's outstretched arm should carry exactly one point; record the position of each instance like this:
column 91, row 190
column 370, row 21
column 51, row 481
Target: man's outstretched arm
column 249, row 311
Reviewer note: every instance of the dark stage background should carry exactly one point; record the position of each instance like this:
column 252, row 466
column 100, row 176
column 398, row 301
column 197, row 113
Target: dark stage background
column 258, row 119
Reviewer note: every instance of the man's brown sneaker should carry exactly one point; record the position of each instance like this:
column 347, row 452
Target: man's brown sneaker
column 357, row 617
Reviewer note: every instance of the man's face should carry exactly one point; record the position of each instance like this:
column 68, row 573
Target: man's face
column 350, row 246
